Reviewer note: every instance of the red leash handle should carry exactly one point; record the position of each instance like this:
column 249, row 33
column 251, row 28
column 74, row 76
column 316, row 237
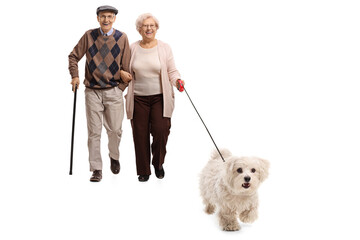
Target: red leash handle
column 181, row 84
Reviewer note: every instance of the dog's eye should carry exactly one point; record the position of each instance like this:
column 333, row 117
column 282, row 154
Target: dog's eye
column 253, row 170
column 239, row 170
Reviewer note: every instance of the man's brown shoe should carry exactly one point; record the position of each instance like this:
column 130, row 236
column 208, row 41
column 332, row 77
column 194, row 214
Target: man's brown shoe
column 96, row 176
column 115, row 166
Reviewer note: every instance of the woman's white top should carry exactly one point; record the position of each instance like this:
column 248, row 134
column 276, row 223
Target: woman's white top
column 146, row 66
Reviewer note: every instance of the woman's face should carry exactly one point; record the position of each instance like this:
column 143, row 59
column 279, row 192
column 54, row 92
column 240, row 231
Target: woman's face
column 148, row 29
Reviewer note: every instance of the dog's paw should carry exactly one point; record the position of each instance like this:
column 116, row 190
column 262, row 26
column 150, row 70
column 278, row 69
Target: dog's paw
column 228, row 222
column 231, row 226
column 248, row 216
column 210, row 209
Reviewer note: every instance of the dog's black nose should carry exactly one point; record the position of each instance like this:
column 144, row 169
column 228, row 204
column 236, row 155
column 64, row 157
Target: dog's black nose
column 247, row 179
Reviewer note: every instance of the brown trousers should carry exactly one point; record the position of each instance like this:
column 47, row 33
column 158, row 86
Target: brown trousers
column 148, row 119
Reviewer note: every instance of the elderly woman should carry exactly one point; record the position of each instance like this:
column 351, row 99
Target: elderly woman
column 150, row 97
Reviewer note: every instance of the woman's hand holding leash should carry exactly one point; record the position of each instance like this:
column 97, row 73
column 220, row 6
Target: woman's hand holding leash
column 180, row 85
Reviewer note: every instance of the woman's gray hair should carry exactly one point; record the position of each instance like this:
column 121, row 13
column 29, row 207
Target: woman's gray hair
column 142, row 18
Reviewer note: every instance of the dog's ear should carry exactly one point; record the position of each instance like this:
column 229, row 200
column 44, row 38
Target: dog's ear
column 263, row 168
column 228, row 172
column 230, row 165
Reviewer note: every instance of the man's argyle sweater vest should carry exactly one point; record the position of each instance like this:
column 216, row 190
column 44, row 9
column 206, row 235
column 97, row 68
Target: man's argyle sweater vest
column 105, row 57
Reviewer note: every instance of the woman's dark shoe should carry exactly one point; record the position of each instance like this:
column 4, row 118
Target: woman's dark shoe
column 143, row 178
column 160, row 174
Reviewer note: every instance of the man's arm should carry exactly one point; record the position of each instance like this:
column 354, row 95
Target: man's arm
column 74, row 57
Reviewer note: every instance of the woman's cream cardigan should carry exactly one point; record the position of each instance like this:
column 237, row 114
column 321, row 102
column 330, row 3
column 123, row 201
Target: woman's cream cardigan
column 169, row 75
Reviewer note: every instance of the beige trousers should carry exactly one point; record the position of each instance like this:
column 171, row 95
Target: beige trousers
column 103, row 106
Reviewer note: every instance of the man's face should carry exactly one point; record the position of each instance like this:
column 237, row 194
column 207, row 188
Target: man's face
column 106, row 20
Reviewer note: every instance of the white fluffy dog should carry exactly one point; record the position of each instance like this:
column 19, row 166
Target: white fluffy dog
column 231, row 187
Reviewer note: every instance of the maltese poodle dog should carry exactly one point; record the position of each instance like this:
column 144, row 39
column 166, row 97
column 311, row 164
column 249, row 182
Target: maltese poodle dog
column 231, row 187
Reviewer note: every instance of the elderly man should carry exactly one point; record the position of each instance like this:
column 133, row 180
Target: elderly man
column 106, row 77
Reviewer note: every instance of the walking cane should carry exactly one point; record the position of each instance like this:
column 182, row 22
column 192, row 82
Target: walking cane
column 72, row 134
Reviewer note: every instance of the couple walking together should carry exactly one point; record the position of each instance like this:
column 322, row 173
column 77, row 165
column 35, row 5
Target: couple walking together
column 147, row 69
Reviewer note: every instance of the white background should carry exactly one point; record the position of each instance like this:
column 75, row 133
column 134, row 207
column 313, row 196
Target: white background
column 275, row 79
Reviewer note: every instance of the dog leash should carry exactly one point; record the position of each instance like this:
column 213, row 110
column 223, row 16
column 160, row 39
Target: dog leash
column 181, row 89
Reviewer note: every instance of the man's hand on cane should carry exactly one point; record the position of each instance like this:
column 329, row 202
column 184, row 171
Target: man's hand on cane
column 75, row 82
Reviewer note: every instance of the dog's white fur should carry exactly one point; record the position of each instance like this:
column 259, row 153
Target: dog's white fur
column 224, row 188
